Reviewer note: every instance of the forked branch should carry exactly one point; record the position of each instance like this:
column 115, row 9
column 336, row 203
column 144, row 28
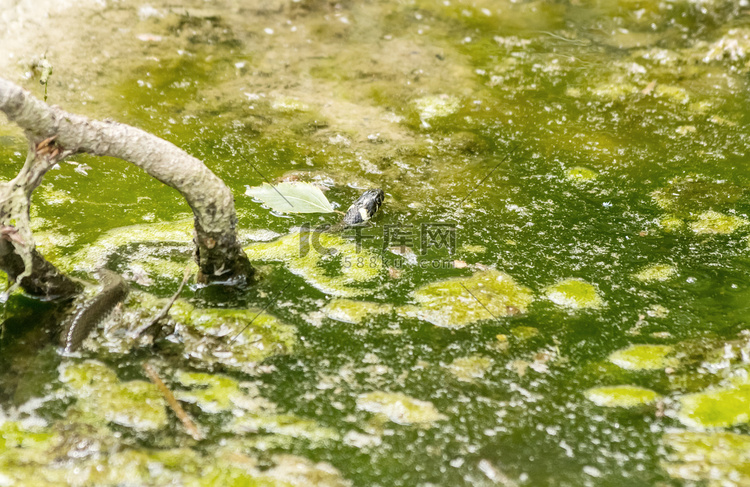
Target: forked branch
column 55, row 134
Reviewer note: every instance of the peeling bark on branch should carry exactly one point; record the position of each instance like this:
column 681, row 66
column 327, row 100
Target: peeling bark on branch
column 44, row 280
column 218, row 253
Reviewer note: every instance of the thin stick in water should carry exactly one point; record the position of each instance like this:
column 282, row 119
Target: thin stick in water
column 184, row 418
column 165, row 310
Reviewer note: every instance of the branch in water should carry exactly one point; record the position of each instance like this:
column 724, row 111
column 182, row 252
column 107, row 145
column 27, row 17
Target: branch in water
column 43, row 280
column 184, row 418
column 218, row 252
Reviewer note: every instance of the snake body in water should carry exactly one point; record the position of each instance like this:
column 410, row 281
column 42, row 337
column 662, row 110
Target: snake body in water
column 77, row 328
column 115, row 289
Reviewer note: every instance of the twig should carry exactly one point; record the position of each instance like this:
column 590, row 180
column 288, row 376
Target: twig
column 184, row 418
column 476, row 186
column 258, row 314
column 478, row 301
column 165, row 310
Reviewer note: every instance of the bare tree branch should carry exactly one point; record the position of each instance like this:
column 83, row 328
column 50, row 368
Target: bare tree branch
column 55, row 134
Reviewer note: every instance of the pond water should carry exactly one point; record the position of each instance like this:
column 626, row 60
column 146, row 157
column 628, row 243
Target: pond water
column 555, row 291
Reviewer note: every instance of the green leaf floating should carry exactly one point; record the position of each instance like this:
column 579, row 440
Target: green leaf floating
column 292, row 197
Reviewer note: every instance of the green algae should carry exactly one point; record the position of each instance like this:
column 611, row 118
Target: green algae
column 349, row 311
column 720, row 458
column 51, row 196
column 220, row 467
column 473, row 249
column 580, row 174
column 642, row 357
column 70, row 452
column 656, row 273
column 226, row 467
column 282, row 428
column 236, row 338
column 695, row 193
column 14, row 435
column 673, row 93
column 613, row 91
column 145, row 269
column 94, row 256
column 716, row 408
column 501, row 342
column 713, row 222
column 100, row 395
column 524, row 332
column 288, row 104
column 215, row 393
column 307, row 253
column 53, row 244
column 671, row 223
column 436, row 106
column 71, row 449
column 574, row 294
column 467, row 369
column 594, row 103
column 620, row 396
column 400, row 408
column 457, row 302
column 25, row 451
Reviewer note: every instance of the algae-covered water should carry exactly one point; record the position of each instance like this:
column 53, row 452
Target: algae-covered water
column 555, row 291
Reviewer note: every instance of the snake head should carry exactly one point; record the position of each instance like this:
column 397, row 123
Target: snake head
column 365, row 207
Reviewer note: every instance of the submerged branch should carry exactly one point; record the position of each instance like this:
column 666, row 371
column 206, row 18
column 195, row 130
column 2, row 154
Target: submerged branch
column 55, row 134
column 184, row 418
